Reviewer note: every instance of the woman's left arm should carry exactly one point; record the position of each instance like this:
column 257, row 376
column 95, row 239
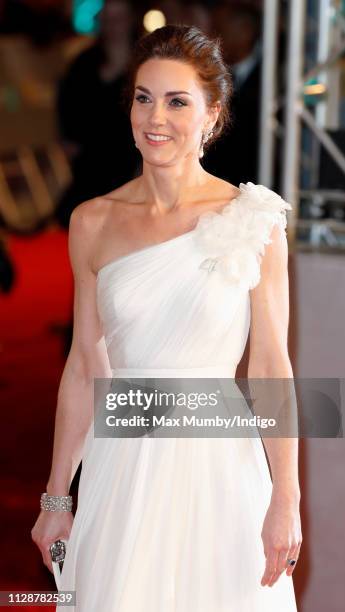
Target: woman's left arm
column 269, row 358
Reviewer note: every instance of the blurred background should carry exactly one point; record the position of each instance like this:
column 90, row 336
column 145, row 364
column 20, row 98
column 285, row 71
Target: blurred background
column 65, row 137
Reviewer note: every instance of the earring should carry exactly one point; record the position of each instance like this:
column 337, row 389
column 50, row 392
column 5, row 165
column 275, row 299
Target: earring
column 205, row 137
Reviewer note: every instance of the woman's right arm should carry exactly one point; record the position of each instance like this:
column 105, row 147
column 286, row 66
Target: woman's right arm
column 87, row 359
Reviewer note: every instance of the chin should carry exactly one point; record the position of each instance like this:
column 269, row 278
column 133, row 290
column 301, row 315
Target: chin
column 154, row 161
column 159, row 160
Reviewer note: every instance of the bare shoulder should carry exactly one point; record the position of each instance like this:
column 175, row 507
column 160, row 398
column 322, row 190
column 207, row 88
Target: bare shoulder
column 85, row 227
column 270, row 309
column 90, row 222
column 275, row 260
column 92, row 213
column 274, row 276
column 81, row 233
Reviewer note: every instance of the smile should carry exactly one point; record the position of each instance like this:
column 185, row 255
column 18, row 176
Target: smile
column 157, row 138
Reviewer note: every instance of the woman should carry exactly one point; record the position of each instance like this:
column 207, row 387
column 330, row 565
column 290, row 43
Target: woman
column 168, row 273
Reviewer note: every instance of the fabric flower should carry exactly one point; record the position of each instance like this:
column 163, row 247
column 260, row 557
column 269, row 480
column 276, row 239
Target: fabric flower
column 234, row 240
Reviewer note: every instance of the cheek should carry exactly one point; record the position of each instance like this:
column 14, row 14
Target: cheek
column 193, row 127
column 188, row 123
column 137, row 115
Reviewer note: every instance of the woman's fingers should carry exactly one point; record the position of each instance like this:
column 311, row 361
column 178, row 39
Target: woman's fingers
column 45, row 552
column 271, row 564
column 47, row 560
column 44, row 548
column 293, row 554
column 50, row 527
column 281, row 565
column 282, row 538
column 277, row 563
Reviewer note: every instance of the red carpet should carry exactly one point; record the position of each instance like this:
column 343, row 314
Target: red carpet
column 31, row 364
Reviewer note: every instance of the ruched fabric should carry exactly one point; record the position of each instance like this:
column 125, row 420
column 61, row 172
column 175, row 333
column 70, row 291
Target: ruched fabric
column 174, row 524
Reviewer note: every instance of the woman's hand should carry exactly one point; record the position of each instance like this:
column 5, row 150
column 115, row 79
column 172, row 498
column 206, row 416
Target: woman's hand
column 51, row 526
column 282, row 537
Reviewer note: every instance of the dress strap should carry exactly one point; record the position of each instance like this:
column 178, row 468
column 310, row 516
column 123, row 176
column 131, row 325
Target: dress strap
column 232, row 242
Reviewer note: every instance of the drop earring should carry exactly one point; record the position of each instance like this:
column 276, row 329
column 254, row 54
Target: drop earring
column 205, row 137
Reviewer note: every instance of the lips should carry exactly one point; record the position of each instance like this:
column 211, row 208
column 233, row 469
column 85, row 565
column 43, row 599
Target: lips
column 157, row 139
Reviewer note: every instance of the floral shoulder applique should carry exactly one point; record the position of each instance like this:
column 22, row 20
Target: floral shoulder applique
column 234, row 240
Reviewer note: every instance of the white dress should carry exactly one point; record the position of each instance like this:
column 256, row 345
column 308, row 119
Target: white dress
column 174, row 524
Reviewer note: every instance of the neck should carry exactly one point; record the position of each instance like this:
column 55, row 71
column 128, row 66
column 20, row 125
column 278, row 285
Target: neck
column 170, row 187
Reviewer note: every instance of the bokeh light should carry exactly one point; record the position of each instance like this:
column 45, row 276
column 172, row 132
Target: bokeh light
column 85, row 15
column 153, row 19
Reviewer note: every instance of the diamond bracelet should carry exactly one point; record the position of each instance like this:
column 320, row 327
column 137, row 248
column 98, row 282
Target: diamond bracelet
column 56, row 502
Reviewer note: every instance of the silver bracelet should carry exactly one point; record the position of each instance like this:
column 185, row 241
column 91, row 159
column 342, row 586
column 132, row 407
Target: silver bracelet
column 56, row 502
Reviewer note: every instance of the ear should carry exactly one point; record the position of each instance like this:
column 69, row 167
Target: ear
column 213, row 113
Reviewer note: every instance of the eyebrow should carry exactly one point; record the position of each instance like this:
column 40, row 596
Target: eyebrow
column 168, row 93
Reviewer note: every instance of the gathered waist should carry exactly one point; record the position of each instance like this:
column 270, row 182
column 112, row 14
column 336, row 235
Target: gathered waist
column 219, row 371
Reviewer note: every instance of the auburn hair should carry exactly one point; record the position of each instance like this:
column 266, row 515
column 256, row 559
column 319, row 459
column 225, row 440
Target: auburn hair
column 191, row 45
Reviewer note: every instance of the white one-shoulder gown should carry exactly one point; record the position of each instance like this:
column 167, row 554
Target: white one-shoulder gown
column 174, row 524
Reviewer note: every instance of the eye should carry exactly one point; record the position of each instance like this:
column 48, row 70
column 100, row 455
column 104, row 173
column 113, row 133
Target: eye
column 180, row 102
column 140, row 97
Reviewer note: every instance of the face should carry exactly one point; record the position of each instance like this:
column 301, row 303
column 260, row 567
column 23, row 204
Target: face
column 169, row 101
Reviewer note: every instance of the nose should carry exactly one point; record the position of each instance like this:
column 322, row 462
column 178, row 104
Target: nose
column 157, row 115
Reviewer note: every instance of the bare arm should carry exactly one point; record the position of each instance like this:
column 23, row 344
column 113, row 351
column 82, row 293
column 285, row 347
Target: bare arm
column 87, row 357
column 269, row 358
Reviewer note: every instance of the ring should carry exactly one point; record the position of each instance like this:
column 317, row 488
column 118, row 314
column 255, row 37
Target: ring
column 291, row 561
column 58, row 551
